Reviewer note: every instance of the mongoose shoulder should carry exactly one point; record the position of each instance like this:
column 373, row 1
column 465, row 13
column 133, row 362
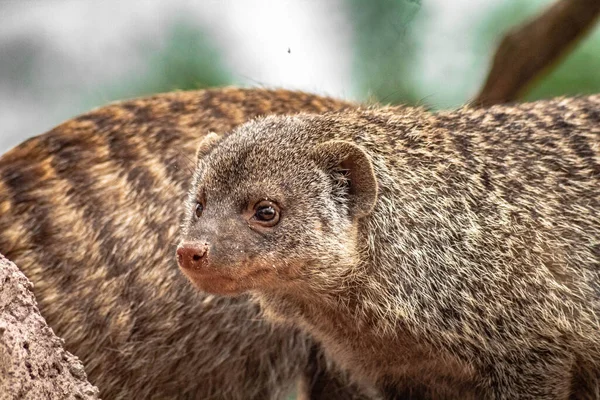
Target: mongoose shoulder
column 457, row 254
column 96, row 202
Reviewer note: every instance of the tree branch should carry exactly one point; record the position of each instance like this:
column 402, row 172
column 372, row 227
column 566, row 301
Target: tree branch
column 527, row 51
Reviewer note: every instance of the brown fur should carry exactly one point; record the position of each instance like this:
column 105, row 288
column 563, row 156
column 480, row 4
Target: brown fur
column 90, row 212
column 450, row 255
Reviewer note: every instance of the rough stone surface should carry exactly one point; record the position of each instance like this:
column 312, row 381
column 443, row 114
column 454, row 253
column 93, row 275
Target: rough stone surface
column 33, row 363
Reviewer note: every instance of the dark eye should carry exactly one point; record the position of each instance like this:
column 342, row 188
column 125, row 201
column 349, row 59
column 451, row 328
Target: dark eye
column 199, row 209
column 266, row 213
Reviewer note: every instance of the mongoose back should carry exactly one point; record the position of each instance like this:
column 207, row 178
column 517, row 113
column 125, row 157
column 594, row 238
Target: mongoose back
column 90, row 212
column 450, row 255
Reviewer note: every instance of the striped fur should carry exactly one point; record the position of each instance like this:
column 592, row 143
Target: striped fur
column 90, row 212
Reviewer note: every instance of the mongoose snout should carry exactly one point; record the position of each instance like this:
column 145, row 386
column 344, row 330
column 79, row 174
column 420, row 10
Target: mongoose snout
column 192, row 256
column 196, row 262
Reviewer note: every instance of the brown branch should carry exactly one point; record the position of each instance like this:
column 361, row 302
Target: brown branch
column 527, row 51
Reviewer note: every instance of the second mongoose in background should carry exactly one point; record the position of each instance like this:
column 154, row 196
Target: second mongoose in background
column 90, row 212
column 449, row 255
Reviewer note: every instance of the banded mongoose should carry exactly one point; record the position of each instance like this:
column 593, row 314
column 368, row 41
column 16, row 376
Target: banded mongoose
column 449, row 255
column 96, row 203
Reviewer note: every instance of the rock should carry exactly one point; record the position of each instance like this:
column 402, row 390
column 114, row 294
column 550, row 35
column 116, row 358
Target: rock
column 33, row 363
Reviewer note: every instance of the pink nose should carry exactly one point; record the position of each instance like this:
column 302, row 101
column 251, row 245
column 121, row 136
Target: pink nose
column 192, row 256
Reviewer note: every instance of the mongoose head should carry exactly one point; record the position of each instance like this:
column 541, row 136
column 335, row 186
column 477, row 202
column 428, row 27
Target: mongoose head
column 274, row 204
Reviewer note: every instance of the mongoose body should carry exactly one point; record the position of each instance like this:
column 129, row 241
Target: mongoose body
column 449, row 255
column 96, row 203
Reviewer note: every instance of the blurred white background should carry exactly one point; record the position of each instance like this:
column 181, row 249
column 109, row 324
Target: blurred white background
column 59, row 58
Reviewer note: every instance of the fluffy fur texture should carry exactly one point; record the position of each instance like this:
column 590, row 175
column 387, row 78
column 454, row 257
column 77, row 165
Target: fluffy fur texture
column 459, row 259
column 90, row 212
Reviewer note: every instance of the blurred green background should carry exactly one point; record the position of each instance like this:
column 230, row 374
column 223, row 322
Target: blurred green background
column 59, row 58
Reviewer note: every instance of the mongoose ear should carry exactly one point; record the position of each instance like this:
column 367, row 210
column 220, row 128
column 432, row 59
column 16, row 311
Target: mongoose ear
column 340, row 157
column 206, row 145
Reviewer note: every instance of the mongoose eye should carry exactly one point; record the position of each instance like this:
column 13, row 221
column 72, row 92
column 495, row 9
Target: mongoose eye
column 266, row 213
column 199, row 209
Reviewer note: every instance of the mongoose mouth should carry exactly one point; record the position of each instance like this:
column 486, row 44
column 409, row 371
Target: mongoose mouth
column 213, row 283
column 196, row 263
column 226, row 282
